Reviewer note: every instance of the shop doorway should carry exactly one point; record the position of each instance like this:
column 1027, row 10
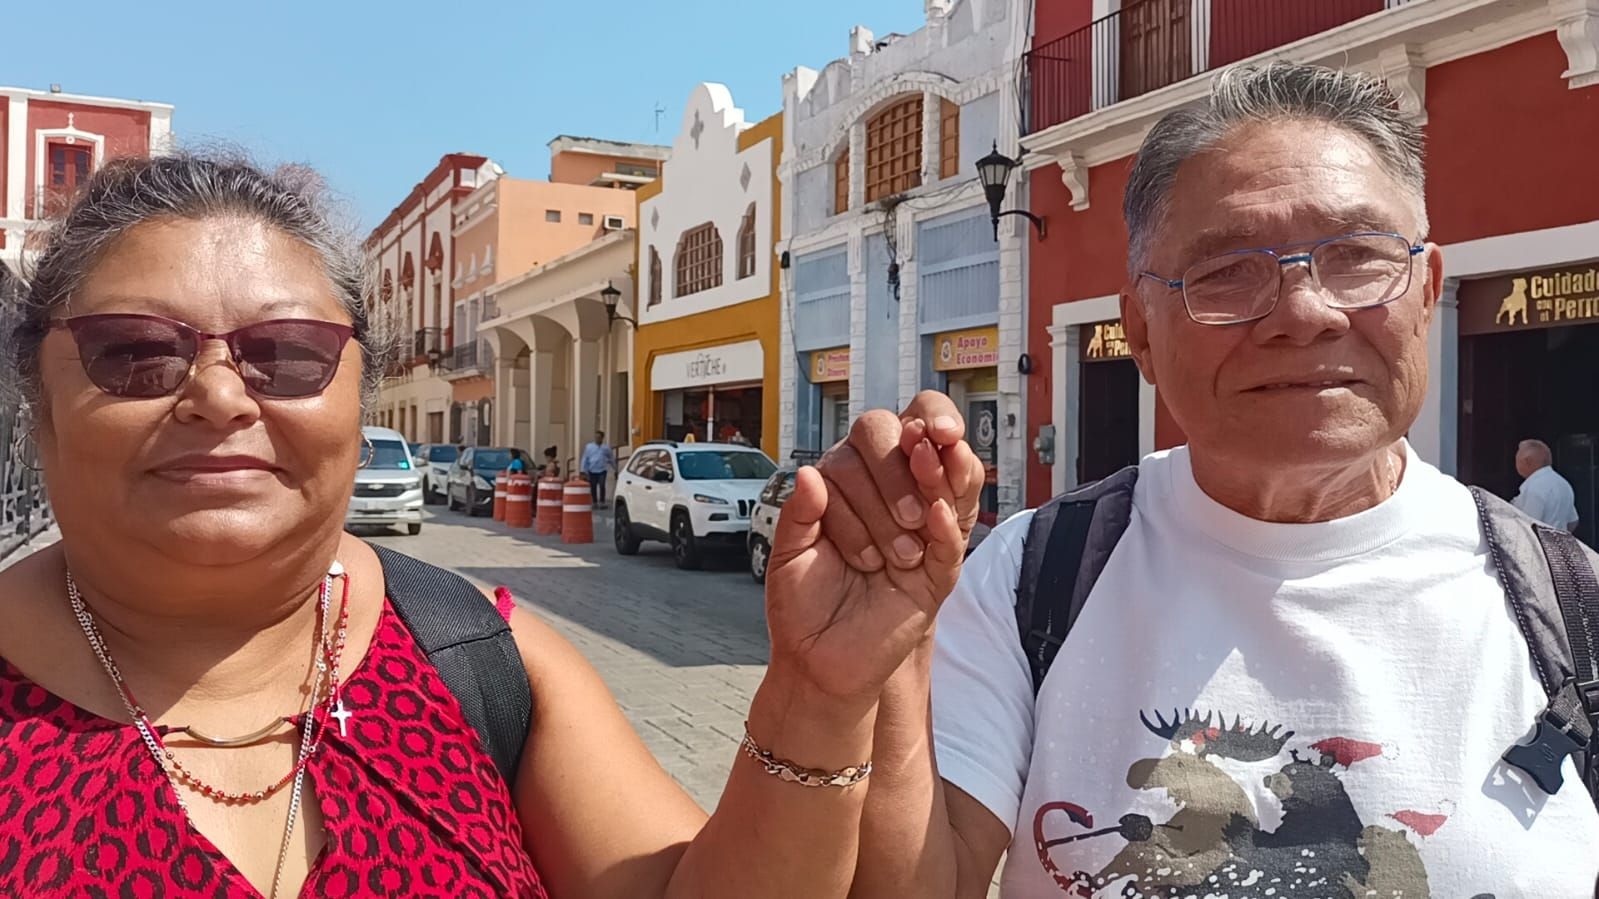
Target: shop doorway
column 723, row 414
column 1107, row 427
column 1536, row 383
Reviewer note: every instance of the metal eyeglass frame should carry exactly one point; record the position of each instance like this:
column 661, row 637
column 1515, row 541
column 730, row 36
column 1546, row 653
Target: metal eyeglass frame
column 1305, row 258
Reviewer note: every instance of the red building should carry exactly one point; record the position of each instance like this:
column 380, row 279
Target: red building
column 50, row 142
column 1507, row 92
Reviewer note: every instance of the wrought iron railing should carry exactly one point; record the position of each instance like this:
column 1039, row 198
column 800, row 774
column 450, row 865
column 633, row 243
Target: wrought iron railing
column 24, row 508
column 1149, row 44
column 469, row 356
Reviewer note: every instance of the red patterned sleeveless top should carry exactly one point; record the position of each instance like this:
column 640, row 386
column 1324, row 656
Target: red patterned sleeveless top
column 413, row 805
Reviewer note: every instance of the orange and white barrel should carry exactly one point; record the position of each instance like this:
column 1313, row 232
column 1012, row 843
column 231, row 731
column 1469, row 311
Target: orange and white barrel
column 577, row 512
column 499, row 495
column 519, row 501
column 549, row 506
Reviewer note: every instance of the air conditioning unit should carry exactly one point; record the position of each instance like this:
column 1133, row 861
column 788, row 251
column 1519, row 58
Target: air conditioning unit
column 613, row 223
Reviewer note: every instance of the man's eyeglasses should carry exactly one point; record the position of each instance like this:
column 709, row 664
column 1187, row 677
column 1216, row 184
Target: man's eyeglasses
column 1353, row 271
column 129, row 355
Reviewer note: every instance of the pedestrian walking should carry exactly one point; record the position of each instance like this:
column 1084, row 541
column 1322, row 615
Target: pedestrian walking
column 1545, row 496
column 597, row 461
column 210, row 689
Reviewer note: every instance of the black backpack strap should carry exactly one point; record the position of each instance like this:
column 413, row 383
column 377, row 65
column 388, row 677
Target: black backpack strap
column 1548, row 578
column 465, row 638
column 1068, row 542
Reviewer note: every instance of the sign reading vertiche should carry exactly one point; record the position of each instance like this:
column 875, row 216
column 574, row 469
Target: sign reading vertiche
column 1543, row 299
column 972, row 348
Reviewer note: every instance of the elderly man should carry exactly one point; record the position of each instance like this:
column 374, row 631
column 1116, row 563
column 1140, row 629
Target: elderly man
column 1284, row 664
column 1545, row 496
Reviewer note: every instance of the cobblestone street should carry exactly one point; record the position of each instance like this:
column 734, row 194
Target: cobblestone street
column 682, row 650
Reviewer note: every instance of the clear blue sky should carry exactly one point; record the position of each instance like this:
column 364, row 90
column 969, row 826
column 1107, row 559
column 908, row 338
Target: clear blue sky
column 372, row 93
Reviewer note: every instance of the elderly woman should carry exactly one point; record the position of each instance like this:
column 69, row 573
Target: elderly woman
column 206, row 691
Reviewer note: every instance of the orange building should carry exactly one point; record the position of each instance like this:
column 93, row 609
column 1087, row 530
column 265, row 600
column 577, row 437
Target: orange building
column 484, row 228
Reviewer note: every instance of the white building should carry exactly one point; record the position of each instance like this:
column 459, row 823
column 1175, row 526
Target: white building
column 896, row 281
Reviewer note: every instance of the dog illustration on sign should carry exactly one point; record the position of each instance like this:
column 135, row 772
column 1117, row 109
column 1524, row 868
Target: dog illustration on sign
column 1515, row 304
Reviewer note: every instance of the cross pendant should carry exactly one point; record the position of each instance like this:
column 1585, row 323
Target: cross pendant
column 343, row 714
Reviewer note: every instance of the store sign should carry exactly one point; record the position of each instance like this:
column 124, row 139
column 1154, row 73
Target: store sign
column 974, row 348
column 829, row 365
column 1544, row 299
column 1105, row 342
column 712, row 365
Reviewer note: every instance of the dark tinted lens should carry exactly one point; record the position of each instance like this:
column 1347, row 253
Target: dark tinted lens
column 289, row 359
column 133, row 356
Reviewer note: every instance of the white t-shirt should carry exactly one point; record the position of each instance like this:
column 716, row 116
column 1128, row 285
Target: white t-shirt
column 1547, row 497
column 1257, row 709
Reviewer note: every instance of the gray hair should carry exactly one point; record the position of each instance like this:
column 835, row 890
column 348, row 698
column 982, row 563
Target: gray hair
column 129, row 192
column 1360, row 104
column 1536, row 451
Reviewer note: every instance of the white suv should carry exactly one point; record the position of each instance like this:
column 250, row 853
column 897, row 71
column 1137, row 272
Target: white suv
column 694, row 496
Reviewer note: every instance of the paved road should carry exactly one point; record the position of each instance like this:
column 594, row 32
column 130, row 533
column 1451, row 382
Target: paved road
column 682, row 650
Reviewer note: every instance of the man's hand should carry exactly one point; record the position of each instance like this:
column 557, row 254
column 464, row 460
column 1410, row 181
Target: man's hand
column 869, row 545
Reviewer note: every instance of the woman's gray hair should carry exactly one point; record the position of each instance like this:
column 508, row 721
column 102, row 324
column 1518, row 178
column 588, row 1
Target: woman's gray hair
column 1259, row 93
column 132, row 191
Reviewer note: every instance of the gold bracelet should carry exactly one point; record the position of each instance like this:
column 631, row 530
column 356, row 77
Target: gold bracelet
column 806, row 777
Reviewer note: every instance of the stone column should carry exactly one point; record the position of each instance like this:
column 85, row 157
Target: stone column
column 585, row 397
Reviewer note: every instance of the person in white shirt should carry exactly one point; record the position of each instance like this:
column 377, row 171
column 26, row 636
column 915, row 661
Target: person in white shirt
column 1545, row 495
column 1297, row 672
column 596, row 463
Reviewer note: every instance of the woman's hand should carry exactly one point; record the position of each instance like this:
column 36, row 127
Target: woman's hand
column 868, row 546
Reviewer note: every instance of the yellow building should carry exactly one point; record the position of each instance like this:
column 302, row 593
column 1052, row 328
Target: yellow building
column 706, row 353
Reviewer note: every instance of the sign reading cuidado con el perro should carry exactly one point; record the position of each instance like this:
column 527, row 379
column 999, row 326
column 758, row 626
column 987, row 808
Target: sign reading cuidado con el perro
column 1542, row 299
column 972, row 348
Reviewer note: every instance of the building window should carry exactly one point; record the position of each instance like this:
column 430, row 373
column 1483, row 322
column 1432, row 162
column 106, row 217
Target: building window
column 469, row 178
column 746, row 244
column 699, row 260
column 585, row 218
column 70, row 166
column 894, row 149
column 553, row 216
column 655, row 277
column 949, row 143
column 841, row 183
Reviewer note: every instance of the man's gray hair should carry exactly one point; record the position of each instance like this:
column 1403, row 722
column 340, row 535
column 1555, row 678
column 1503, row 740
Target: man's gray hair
column 1536, row 451
column 1261, row 93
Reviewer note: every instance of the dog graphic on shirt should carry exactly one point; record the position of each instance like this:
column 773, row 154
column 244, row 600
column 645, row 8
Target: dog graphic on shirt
column 1214, row 843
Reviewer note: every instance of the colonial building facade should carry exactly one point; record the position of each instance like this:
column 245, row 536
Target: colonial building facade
column 467, row 229
column 1506, row 90
column 51, row 142
column 896, row 278
column 708, row 347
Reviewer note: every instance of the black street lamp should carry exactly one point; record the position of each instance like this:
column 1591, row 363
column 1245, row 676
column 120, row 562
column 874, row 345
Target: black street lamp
column 994, row 171
column 612, row 297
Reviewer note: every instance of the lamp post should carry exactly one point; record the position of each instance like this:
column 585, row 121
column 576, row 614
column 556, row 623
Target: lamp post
column 994, row 171
column 612, row 298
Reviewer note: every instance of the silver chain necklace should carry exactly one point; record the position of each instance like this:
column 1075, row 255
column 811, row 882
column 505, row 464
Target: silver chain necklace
column 141, row 721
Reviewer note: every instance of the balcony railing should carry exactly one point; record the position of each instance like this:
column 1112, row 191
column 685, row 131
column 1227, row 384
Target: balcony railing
column 1149, row 44
column 428, row 345
column 474, row 355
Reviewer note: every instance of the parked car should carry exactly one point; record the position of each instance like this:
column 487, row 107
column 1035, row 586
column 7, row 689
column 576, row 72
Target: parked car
column 433, row 460
column 763, row 521
column 471, row 482
column 388, row 488
column 694, row 496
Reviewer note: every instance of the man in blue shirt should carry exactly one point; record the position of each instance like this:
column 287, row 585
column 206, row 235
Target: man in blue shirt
column 596, row 464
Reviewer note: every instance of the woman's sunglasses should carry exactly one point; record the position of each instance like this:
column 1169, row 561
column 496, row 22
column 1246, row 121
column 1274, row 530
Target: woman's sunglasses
column 144, row 356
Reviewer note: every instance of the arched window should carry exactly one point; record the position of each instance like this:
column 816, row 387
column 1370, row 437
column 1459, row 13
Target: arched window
column 655, row 277
column 894, row 149
column 699, row 260
column 746, row 244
